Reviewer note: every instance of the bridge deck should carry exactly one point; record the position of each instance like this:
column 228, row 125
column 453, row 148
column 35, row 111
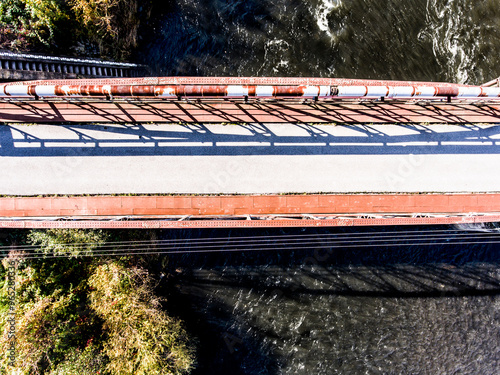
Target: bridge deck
column 154, row 146
column 237, row 111
column 248, row 159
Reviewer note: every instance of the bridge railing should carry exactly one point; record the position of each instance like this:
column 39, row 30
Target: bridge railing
column 179, row 91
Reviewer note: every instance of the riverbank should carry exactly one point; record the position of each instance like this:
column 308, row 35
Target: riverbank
column 88, row 315
column 83, row 28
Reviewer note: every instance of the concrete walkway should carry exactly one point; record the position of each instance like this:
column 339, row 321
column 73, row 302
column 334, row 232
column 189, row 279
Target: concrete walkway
column 250, row 159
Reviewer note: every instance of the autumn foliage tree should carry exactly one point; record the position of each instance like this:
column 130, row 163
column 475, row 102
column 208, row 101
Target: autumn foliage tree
column 88, row 315
column 26, row 23
column 54, row 26
column 113, row 24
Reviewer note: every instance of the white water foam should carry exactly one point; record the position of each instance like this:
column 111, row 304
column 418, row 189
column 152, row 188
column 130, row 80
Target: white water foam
column 478, row 227
column 446, row 22
column 275, row 53
column 321, row 13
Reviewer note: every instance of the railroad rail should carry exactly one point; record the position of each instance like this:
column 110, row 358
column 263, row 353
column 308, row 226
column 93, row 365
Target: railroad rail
column 17, row 66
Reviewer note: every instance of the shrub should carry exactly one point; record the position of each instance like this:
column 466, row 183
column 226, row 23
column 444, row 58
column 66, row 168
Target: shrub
column 143, row 339
column 64, row 241
column 25, row 22
column 53, row 318
column 88, row 361
column 84, row 26
column 113, row 24
column 86, row 315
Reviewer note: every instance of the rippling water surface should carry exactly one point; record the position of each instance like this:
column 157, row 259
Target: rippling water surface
column 340, row 310
column 437, row 40
column 382, row 310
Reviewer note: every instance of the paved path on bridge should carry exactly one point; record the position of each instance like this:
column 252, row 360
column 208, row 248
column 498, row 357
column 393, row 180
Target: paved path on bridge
column 263, row 111
column 253, row 159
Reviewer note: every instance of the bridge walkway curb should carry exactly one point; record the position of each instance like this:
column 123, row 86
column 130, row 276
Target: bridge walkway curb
column 230, row 211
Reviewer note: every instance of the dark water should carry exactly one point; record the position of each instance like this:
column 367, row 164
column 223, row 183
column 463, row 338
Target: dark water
column 436, row 40
column 380, row 310
column 348, row 310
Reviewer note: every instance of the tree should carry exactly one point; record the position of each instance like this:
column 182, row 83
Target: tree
column 113, row 24
column 26, row 22
column 86, row 315
column 142, row 338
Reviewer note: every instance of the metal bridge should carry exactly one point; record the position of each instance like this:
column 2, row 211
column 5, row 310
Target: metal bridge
column 166, row 140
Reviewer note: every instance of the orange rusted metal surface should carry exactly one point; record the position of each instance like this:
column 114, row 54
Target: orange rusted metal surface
column 238, row 111
column 248, row 210
column 246, row 91
column 247, row 87
column 110, row 223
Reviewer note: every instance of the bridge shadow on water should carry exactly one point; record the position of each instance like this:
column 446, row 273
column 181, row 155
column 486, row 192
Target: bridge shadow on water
column 248, row 139
column 238, row 303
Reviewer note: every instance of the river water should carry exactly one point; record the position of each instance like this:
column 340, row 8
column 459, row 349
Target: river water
column 380, row 310
column 349, row 309
column 435, row 40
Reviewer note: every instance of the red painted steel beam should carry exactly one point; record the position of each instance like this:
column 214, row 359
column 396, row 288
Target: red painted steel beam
column 234, row 205
column 266, row 211
column 231, row 223
column 305, row 81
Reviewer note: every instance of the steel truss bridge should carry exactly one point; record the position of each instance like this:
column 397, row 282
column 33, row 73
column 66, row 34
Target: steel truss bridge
column 240, row 100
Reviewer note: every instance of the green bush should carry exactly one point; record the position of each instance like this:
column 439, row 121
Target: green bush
column 53, row 318
column 112, row 24
column 88, row 361
column 88, row 315
column 70, row 26
column 143, row 339
column 27, row 22
column 64, row 241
